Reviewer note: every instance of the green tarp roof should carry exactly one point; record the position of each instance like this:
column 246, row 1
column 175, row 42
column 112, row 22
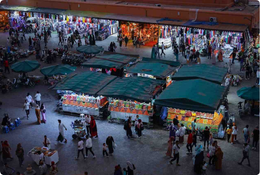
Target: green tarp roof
column 109, row 61
column 158, row 70
column 201, row 71
column 249, row 93
column 131, row 88
column 87, row 82
column 171, row 63
column 196, row 95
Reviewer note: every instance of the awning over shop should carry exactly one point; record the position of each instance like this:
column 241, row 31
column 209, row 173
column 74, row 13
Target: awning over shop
column 249, row 93
column 110, row 60
column 157, row 70
column 89, row 83
column 170, row 63
column 131, row 88
column 201, row 71
column 195, row 95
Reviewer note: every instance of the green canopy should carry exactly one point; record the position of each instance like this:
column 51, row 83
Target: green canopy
column 109, row 61
column 249, row 93
column 170, row 63
column 131, row 88
column 201, row 71
column 87, row 82
column 158, row 70
column 57, row 70
column 90, row 49
column 25, row 66
column 196, row 95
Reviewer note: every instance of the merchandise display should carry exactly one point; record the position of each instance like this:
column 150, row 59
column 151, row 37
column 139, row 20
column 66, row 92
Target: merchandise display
column 45, row 154
column 4, row 20
column 123, row 109
column 186, row 117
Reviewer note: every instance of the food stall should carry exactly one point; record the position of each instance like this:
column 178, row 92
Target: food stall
column 193, row 99
column 132, row 96
column 38, row 153
column 80, row 93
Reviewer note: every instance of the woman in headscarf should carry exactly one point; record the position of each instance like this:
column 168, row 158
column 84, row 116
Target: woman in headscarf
column 199, row 158
column 219, row 157
column 93, row 127
column 109, row 142
column 130, row 168
column 43, row 111
column 6, row 150
column 169, row 150
column 38, row 114
column 20, row 154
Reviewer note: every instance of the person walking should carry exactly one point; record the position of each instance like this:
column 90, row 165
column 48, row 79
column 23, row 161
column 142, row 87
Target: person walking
column 126, row 41
column 194, row 139
column 43, row 112
column 105, row 150
column 228, row 131
column 245, row 154
column 29, row 99
column 110, row 143
column 37, row 98
column 46, row 142
column 246, row 134
column 130, row 168
column 175, row 149
column 6, row 149
column 189, row 142
column 88, row 146
column 6, row 64
column 80, row 149
column 38, row 114
column 93, row 127
column 88, row 120
column 206, row 133
column 194, row 125
column 26, row 107
column 20, row 154
column 162, row 49
column 255, row 137
column 219, row 157
column 43, row 168
column 212, row 150
column 61, row 128
column 198, row 159
column 234, row 134
column 182, row 133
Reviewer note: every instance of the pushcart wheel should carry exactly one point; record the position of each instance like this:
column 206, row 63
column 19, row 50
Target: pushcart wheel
column 74, row 136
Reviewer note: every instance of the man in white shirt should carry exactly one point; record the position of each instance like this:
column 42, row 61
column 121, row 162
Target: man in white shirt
column 29, row 99
column 182, row 133
column 175, row 149
column 80, row 149
column 38, row 98
column 26, row 107
column 89, row 146
column 61, row 129
column 88, row 120
column 245, row 154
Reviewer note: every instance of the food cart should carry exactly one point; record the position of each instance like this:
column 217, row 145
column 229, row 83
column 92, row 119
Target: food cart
column 131, row 96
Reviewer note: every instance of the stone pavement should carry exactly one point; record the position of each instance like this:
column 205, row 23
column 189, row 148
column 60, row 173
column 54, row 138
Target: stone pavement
column 147, row 153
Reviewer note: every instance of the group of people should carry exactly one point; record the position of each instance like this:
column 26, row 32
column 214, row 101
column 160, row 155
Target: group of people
column 138, row 124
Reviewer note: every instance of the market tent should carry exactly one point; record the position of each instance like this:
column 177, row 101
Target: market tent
column 109, row 61
column 57, row 70
column 87, row 82
column 25, row 66
column 196, row 95
column 131, row 88
column 249, row 93
column 201, row 71
column 157, row 70
column 170, row 63
column 90, row 49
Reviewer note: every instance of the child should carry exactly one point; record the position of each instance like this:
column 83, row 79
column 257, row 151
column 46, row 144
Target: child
column 105, row 150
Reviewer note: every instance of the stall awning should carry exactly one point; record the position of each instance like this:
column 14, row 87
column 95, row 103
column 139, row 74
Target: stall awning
column 110, row 60
column 88, row 82
column 170, row 63
column 132, row 88
column 157, row 70
column 195, row 95
column 201, row 71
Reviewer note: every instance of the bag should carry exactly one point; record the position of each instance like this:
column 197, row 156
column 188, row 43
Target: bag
column 114, row 145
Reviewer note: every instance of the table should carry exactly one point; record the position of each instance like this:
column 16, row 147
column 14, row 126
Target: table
column 54, row 158
column 36, row 157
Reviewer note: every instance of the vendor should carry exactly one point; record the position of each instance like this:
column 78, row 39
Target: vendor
column 6, row 120
column 46, row 142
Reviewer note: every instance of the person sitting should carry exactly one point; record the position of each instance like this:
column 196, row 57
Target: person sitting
column 6, row 120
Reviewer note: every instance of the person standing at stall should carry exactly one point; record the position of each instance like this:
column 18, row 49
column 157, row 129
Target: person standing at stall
column 61, row 128
column 127, row 127
column 46, row 142
column 88, row 120
column 93, row 127
column 140, row 127
column 126, row 41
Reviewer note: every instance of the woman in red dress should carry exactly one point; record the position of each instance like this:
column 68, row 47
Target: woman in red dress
column 93, row 127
